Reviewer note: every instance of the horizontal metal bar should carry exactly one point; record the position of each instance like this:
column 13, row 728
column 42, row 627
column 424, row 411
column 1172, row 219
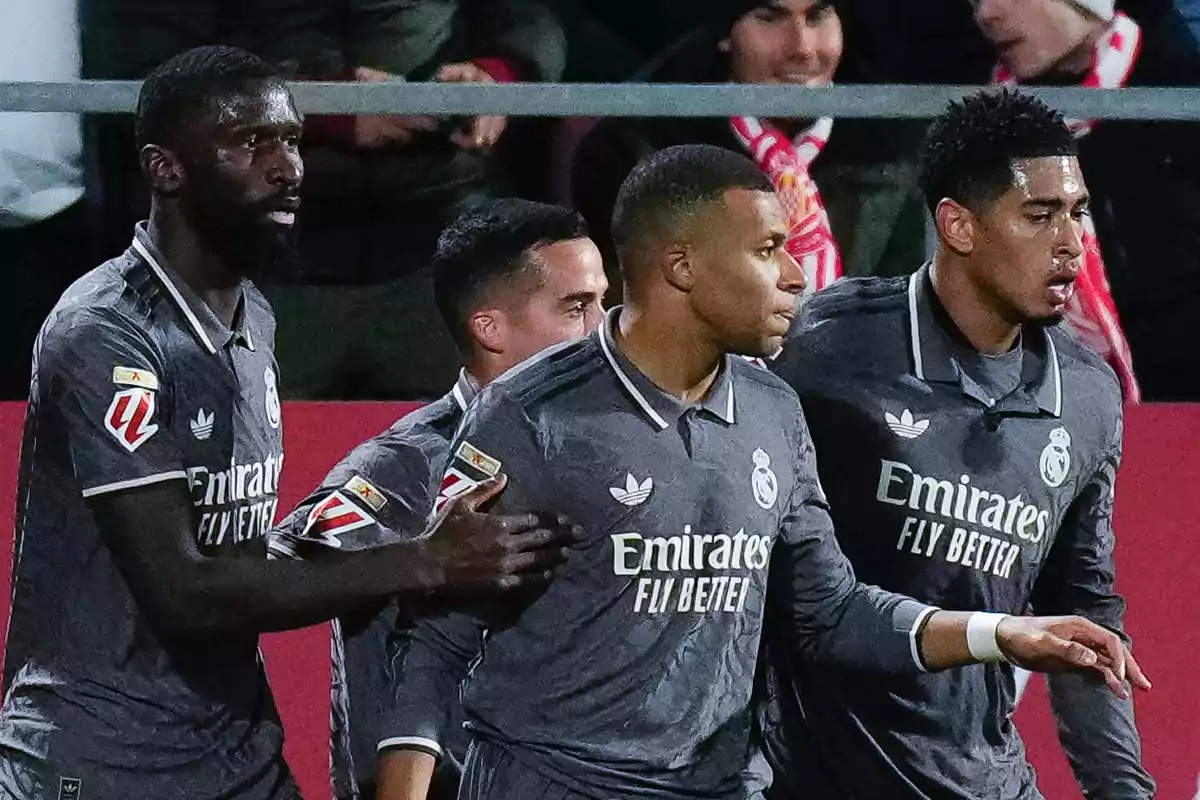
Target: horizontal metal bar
column 627, row 100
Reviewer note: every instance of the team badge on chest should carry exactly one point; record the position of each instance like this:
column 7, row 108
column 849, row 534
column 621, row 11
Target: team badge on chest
column 763, row 480
column 1055, row 463
column 273, row 413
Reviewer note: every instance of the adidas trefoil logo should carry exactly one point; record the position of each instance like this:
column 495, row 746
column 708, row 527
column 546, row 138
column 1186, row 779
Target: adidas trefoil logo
column 634, row 494
column 906, row 427
column 202, row 425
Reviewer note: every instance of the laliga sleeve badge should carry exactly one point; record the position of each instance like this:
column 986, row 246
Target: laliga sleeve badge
column 374, row 498
column 1055, row 462
column 470, row 467
column 273, row 411
column 332, row 517
column 763, row 480
column 130, row 417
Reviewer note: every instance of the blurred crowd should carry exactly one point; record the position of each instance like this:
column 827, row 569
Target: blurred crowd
column 356, row 318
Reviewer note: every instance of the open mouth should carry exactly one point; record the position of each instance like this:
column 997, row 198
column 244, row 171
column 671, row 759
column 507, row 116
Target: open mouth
column 285, row 212
column 1062, row 290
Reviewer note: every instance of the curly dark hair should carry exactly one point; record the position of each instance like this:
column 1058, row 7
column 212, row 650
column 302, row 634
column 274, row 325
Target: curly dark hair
column 182, row 85
column 968, row 152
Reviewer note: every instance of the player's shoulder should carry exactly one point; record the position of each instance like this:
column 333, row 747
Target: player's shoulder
column 547, row 377
column 755, row 376
column 1083, row 373
column 854, row 301
column 410, row 449
column 117, row 300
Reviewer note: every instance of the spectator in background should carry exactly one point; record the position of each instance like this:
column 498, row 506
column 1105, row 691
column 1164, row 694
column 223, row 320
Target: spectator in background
column 796, row 42
column 1144, row 177
column 43, row 221
column 358, row 321
column 381, row 189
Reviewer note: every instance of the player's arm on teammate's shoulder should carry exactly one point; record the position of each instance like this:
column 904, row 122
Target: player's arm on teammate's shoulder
column 112, row 391
column 834, row 617
column 1096, row 728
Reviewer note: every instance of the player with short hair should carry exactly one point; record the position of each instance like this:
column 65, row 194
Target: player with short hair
column 969, row 448
column 149, row 476
column 510, row 278
column 692, row 474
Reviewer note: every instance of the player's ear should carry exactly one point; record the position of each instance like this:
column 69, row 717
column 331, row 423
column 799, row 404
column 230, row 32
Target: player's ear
column 678, row 265
column 956, row 226
column 162, row 168
column 489, row 329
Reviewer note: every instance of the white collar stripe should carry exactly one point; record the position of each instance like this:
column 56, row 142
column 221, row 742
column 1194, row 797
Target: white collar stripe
column 914, row 326
column 174, row 292
column 1052, row 353
column 458, row 397
column 624, row 379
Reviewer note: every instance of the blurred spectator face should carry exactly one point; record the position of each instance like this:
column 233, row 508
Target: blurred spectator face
column 786, row 41
column 1033, row 37
column 242, row 171
column 1028, row 244
column 566, row 304
column 744, row 283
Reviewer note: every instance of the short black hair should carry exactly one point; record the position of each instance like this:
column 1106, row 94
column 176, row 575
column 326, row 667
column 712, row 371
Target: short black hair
column 181, row 85
column 488, row 243
column 968, row 152
column 667, row 187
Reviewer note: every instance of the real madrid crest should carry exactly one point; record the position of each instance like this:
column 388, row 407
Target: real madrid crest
column 272, row 397
column 1055, row 462
column 763, row 480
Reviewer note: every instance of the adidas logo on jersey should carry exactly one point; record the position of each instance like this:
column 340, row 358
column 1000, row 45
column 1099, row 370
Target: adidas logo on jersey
column 202, row 425
column 634, row 494
column 906, row 427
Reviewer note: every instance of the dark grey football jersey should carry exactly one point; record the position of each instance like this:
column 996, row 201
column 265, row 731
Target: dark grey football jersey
column 135, row 382
column 390, row 480
column 964, row 500
column 631, row 674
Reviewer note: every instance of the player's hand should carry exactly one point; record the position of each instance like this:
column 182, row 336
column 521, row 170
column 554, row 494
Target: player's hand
column 479, row 133
column 373, row 132
column 1067, row 644
column 475, row 550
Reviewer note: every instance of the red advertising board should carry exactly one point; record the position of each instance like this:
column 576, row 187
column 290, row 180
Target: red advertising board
column 1158, row 558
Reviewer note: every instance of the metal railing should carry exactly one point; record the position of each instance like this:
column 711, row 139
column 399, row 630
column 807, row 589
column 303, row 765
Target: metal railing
column 626, row 100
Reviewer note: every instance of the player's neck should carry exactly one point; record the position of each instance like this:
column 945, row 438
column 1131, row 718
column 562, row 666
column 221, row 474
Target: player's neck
column 667, row 352
column 986, row 329
column 205, row 272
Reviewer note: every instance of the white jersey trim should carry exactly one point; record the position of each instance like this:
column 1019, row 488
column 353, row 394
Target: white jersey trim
column 412, row 742
column 134, row 483
column 144, row 252
column 913, row 644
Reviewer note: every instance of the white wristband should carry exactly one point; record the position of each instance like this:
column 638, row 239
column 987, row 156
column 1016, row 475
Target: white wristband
column 981, row 636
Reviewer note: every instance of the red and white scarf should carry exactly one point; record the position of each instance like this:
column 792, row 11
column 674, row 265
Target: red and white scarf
column 1091, row 313
column 810, row 240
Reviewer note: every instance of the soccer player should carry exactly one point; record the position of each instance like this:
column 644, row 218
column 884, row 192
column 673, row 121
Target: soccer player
column 691, row 471
column 150, row 468
column 510, row 279
column 968, row 449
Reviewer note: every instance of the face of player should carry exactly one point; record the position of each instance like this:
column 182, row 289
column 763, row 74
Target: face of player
column 786, row 41
column 1034, row 37
column 745, row 284
column 243, row 172
column 1028, row 246
column 562, row 304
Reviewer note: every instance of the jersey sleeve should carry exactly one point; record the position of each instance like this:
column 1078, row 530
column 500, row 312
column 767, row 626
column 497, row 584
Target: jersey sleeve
column 827, row 613
column 108, row 385
column 1096, row 728
column 379, row 493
